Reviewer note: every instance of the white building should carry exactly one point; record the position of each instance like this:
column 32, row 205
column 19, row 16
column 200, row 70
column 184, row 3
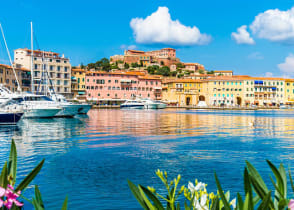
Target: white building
column 58, row 68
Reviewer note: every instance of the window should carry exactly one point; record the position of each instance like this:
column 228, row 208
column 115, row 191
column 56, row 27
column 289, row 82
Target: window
column 109, row 81
column 36, row 66
column 65, row 82
column 65, row 69
column 116, row 81
column 51, row 68
column 98, row 94
column 58, row 68
column 109, row 88
column 108, row 94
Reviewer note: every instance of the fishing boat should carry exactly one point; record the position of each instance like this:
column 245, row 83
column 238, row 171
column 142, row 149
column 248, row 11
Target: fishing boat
column 132, row 104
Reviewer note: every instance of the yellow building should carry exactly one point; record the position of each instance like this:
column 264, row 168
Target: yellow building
column 224, row 91
column 289, row 91
column 78, row 86
column 182, row 92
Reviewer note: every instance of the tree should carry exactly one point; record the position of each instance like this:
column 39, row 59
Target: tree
column 180, row 65
column 201, row 71
column 180, row 75
column 82, row 66
column 151, row 70
column 210, row 72
column 127, row 66
column 173, row 73
column 134, row 65
column 165, row 71
column 91, row 66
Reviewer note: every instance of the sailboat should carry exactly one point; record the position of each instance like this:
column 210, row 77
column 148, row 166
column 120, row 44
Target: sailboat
column 33, row 106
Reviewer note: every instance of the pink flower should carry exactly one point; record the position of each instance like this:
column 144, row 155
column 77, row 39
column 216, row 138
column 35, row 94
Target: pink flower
column 291, row 204
column 10, row 197
column 2, row 193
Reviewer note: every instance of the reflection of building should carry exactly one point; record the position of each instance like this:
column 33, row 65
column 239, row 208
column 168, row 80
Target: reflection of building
column 58, row 67
column 119, row 86
column 7, row 78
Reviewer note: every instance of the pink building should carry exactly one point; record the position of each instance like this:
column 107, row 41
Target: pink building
column 119, row 86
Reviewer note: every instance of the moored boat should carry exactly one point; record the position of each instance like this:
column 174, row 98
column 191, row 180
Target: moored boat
column 132, row 104
column 10, row 118
column 151, row 104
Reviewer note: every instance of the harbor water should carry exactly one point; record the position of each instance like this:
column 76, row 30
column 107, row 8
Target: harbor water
column 90, row 157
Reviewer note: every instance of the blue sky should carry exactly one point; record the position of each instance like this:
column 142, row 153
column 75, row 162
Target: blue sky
column 86, row 31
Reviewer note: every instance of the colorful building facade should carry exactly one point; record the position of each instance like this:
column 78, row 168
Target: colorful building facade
column 78, row 83
column 120, row 86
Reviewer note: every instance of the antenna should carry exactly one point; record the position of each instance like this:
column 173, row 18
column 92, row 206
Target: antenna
column 18, row 85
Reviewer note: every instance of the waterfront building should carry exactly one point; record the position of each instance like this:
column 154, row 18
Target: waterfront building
column 116, row 87
column 268, row 91
column 58, row 68
column 182, row 92
column 7, row 78
column 289, row 91
column 163, row 53
column 224, row 91
column 78, row 83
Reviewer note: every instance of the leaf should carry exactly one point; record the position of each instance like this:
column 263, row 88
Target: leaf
column 225, row 202
column 253, row 173
column 240, row 202
column 277, row 189
column 36, row 205
column 291, row 180
column 146, row 200
column 246, row 202
column 156, row 202
column 215, row 204
column 137, row 194
column 266, row 202
column 186, row 206
column 280, row 182
column 64, row 206
column 38, row 197
column 283, row 204
column 4, row 176
column 12, row 162
column 284, row 178
column 30, row 177
column 248, row 188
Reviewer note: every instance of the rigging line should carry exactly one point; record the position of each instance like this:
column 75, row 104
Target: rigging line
column 18, row 85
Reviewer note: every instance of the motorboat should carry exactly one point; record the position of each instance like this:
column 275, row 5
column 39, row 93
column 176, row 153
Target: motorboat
column 10, row 118
column 10, row 114
column 133, row 104
column 69, row 109
column 151, row 104
column 33, row 106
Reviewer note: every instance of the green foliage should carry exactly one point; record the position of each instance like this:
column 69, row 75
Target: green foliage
column 201, row 71
column 164, row 71
column 257, row 194
column 210, row 72
column 134, row 65
column 102, row 64
column 180, row 66
column 127, row 66
column 8, row 176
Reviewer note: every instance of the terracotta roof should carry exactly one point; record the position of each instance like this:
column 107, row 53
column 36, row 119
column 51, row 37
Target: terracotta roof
column 78, row 69
column 192, row 64
column 225, row 71
column 37, row 51
column 9, row 67
column 182, row 81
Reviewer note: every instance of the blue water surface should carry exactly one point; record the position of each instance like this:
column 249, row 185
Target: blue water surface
column 89, row 158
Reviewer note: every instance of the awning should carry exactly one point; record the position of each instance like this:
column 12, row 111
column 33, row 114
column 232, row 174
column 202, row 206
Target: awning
column 157, row 88
column 81, row 92
column 125, row 80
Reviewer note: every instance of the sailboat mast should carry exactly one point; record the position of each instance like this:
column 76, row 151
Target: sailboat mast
column 32, row 60
column 17, row 82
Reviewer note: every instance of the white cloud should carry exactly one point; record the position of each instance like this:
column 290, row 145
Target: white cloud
column 269, row 74
column 287, row 68
column 242, row 36
column 128, row 47
column 256, row 56
column 274, row 25
column 159, row 28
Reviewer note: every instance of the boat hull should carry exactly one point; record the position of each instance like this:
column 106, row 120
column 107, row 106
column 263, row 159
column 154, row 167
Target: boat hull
column 10, row 118
column 69, row 110
column 139, row 106
column 84, row 108
column 41, row 113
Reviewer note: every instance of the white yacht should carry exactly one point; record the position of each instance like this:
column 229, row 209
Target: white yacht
column 151, row 104
column 35, row 106
column 68, row 109
column 133, row 104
